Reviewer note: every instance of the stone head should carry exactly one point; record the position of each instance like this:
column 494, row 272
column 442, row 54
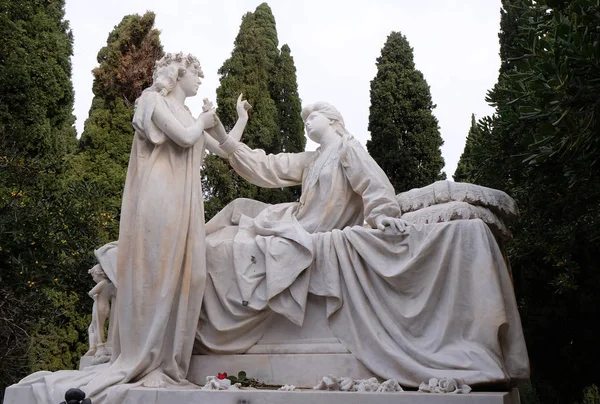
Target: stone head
column 177, row 69
column 322, row 119
column 97, row 273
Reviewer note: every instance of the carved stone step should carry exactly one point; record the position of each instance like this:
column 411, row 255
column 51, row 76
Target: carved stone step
column 16, row 394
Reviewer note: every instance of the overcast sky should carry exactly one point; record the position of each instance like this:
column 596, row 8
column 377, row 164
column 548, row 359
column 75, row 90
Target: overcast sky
column 334, row 45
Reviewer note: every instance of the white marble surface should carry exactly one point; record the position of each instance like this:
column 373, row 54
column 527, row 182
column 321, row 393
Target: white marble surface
column 313, row 337
column 456, row 210
column 447, row 191
column 19, row 395
column 411, row 303
column 301, row 370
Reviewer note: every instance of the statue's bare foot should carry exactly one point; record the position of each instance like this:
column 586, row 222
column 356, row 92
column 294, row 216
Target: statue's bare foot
column 101, row 355
column 100, row 359
column 154, row 380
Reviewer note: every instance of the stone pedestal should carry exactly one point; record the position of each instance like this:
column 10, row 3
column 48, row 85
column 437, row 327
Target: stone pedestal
column 17, row 395
column 286, row 354
column 301, row 370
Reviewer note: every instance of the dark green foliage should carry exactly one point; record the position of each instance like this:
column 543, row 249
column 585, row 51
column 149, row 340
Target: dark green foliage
column 267, row 78
column 41, row 237
column 36, row 95
column 249, row 70
column 465, row 166
column 557, row 80
column 58, row 340
column 104, row 154
column 405, row 138
column 541, row 146
column 47, row 238
column 509, row 22
column 527, row 393
column 285, row 94
column 125, row 68
column 49, row 223
column 591, row 395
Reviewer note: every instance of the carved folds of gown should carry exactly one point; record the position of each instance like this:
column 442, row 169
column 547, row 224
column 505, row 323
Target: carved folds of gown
column 161, row 268
column 436, row 301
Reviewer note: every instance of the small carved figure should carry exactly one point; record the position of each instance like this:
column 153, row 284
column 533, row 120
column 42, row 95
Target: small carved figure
column 102, row 294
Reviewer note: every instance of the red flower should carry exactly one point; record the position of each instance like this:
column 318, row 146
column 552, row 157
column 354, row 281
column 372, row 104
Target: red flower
column 221, row 376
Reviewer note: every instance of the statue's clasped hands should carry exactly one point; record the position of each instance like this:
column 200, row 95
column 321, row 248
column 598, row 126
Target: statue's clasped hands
column 208, row 115
column 395, row 224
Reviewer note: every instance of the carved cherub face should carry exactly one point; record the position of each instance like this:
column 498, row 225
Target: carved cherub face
column 97, row 273
column 189, row 82
column 317, row 126
column 97, row 277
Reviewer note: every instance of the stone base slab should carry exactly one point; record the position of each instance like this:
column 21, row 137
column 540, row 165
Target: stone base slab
column 18, row 395
column 300, row 370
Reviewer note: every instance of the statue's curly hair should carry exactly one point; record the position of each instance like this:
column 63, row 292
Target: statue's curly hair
column 97, row 270
column 169, row 68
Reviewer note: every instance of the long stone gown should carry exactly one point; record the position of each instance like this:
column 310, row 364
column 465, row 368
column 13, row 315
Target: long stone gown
column 162, row 268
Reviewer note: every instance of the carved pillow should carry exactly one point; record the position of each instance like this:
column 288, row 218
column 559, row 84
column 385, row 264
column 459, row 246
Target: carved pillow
column 447, row 191
column 456, row 210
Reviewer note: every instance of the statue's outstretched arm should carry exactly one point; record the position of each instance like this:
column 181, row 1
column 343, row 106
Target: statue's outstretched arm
column 218, row 135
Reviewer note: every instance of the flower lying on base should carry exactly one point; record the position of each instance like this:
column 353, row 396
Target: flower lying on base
column 445, row 385
column 243, row 380
column 221, row 376
column 333, row 383
column 214, row 383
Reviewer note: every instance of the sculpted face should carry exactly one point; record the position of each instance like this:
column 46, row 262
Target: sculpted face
column 97, row 278
column 317, row 126
column 190, row 82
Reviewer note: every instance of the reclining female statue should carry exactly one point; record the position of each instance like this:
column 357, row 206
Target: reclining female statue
column 409, row 302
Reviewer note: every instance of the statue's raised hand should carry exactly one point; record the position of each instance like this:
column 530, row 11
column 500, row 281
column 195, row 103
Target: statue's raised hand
column 397, row 225
column 242, row 107
column 208, row 118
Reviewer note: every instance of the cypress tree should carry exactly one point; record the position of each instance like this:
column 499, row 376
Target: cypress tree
column 125, row 68
column 36, row 95
column 405, row 138
column 36, row 126
column 541, row 147
column 287, row 100
column 267, row 78
column 46, row 232
column 509, row 23
column 464, row 169
column 486, row 156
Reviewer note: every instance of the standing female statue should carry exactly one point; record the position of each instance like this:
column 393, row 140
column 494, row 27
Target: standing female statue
column 161, row 255
column 161, row 235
